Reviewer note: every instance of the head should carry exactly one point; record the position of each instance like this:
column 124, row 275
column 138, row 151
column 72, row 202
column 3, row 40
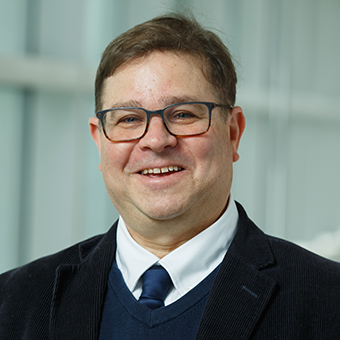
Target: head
column 177, row 34
column 152, row 66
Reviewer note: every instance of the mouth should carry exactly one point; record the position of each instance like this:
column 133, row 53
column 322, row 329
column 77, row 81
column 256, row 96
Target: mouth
column 160, row 171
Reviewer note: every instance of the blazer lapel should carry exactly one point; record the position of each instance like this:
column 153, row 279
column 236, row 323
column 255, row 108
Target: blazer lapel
column 79, row 292
column 241, row 291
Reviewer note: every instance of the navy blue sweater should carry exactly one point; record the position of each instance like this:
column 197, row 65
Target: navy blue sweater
column 125, row 318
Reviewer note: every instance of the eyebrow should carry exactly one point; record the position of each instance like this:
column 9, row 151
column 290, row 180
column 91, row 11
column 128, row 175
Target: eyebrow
column 165, row 101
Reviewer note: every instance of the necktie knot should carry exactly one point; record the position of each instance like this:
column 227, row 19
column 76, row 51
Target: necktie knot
column 156, row 283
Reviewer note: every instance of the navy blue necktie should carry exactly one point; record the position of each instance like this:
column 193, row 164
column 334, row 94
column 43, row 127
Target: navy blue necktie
column 156, row 283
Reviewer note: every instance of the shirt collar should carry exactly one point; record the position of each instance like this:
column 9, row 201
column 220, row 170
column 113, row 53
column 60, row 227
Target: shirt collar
column 182, row 264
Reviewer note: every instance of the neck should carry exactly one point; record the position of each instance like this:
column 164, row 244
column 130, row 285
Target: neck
column 161, row 244
column 162, row 237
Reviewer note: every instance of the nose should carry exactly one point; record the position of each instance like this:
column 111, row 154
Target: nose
column 157, row 137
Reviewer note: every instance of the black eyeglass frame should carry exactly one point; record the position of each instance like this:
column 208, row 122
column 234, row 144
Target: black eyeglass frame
column 210, row 106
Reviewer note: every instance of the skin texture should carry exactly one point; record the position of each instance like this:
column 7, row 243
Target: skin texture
column 163, row 211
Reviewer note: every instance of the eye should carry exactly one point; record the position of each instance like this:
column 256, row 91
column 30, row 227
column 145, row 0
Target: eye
column 129, row 122
column 129, row 119
column 125, row 119
column 183, row 115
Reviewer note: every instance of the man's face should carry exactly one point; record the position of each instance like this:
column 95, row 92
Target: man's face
column 187, row 200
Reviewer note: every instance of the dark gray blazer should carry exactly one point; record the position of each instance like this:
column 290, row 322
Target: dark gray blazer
column 266, row 288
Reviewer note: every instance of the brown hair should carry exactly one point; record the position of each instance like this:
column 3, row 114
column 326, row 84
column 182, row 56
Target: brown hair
column 179, row 34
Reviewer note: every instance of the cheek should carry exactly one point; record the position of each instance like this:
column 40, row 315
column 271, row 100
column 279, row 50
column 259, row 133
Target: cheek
column 114, row 158
column 215, row 158
column 207, row 158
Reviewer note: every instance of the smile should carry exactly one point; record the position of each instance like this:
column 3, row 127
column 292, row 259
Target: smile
column 161, row 170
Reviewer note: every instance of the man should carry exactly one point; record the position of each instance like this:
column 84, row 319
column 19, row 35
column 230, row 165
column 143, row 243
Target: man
column 168, row 133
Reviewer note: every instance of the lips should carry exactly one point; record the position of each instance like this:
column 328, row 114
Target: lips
column 162, row 170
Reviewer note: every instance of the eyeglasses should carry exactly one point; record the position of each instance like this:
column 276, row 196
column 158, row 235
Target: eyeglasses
column 123, row 124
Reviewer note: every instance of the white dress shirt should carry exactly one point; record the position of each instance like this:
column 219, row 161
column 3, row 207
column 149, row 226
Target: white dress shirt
column 187, row 265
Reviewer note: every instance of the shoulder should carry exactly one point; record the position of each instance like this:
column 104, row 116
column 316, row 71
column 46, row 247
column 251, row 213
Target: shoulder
column 305, row 297
column 26, row 292
column 32, row 278
column 307, row 285
column 304, row 267
column 295, row 255
column 307, row 288
column 291, row 252
column 293, row 268
column 48, row 264
column 254, row 245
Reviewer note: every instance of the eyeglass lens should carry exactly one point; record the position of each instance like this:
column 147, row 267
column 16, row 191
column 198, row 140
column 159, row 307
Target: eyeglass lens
column 182, row 119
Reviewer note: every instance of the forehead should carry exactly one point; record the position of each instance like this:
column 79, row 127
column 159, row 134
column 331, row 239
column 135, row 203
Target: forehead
column 153, row 79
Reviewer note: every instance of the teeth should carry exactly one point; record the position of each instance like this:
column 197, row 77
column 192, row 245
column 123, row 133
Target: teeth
column 161, row 170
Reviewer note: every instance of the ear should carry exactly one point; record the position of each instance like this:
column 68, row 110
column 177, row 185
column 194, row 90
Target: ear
column 95, row 131
column 236, row 125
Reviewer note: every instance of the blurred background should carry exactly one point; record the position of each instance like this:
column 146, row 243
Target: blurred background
column 288, row 61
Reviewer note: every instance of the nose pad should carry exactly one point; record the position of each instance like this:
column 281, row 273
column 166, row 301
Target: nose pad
column 159, row 120
column 157, row 136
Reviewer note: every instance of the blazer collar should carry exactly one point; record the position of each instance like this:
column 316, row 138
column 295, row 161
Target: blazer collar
column 241, row 290
column 79, row 290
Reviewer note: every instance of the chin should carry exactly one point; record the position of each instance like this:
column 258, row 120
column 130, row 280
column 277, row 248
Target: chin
column 164, row 213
